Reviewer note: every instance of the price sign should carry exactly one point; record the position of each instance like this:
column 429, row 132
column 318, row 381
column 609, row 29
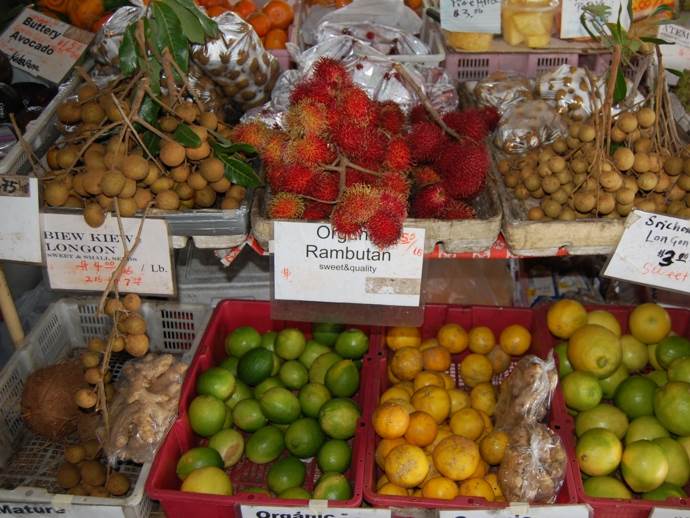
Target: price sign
column 20, row 236
column 256, row 511
column 471, row 16
column 523, row 511
column 677, row 55
column 669, row 512
column 65, row 510
column 313, row 263
column 43, row 46
column 79, row 257
column 571, row 10
column 654, row 250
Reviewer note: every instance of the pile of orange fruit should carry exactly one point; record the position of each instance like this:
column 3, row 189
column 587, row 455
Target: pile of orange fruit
column 270, row 22
column 436, row 436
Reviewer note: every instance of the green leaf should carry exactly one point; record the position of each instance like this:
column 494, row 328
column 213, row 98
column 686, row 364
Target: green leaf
column 621, row 89
column 154, row 75
column 185, row 136
column 210, row 27
column 240, row 172
column 191, row 26
column 656, row 41
column 630, row 11
column 152, row 142
column 128, row 52
column 149, row 111
column 240, row 147
column 662, row 9
column 583, row 22
column 675, row 72
column 170, row 35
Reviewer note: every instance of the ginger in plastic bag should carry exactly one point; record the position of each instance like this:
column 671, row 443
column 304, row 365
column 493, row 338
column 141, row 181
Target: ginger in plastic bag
column 534, row 464
column 525, row 396
column 143, row 408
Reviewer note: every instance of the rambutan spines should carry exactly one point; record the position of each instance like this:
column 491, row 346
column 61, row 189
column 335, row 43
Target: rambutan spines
column 358, row 203
column 315, row 211
column 398, row 156
column 254, row 133
column 491, row 116
column 394, row 182
column 419, row 114
column 307, row 117
column 430, row 201
column 349, row 137
column 464, row 167
column 356, row 105
column 285, row 206
column 325, row 186
column 384, row 229
column 468, row 123
column 458, row 209
column 425, row 141
column 310, row 150
column 274, row 176
column 393, row 203
column 274, row 149
column 391, row 118
column 297, row 178
column 331, row 72
column 425, row 175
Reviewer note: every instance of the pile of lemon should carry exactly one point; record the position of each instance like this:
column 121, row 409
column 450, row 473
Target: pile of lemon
column 436, row 436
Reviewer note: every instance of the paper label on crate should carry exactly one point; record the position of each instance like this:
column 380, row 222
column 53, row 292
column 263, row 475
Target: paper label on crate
column 677, row 55
column 669, row 512
column 261, row 511
column 43, row 46
column 654, row 250
column 20, row 233
column 66, row 511
column 471, row 16
column 522, row 511
column 80, row 257
column 314, row 263
column 571, row 10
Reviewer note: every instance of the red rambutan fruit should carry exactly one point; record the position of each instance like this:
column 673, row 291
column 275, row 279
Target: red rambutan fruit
column 430, row 201
column 253, row 133
column 419, row 114
column 391, row 117
column 285, row 205
column 372, row 149
column 425, row 140
column 307, row 117
column 491, row 116
column 393, row 203
column 468, row 123
column 398, row 156
column 425, row 175
column 395, row 182
column 298, row 178
column 464, row 167
column 349, row 137
column 384, row 229
column 458, row 209
column 314, row 211
column 358, row 203
column 274, row 176
column 344, row 225
column 314, row 91
column 325, row 186
column 331, row 72
column 355, row 105
column 353, row 177
column 273, row 151
column 310, row 150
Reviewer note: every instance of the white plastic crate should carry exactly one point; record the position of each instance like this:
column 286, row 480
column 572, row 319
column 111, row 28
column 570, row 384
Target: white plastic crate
column 28, row 462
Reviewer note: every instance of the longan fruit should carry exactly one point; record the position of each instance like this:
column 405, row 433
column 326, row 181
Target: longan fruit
column 91, row 182
column 647, row 181
column 67, row 475
column 567, row 214
column 51, row 158
column 201, row 132
column 90, row 359
column 56, row 193
column 117, row 344
column 634, row 136
column 550, row 184
column 675, row 207
column 532, row 182
column 113, row 112
column 187, row 204
column 641, row 163
column 617, row 135
column 135, row 325
column 584, row 201
column 560, row 146
column 229, row 203
column 625, row 196
column 112, row 306
column 503, row 166
column 511, row 179
column 142, row 197
column 67, row 156
column 642, row 145
column 686, row 166
column 118, row 484
column 167, row 200
column 113, row 161
column 128, row 207
column 578, row 166
column 564, row 177
column 106, row 202
column 137, row 345
column 654, row 162
column 75, row 454
column 85, row 398
column 93, row 375
column 96, row 345
column 560, row 196
column 646, row 205
column 623, row 158
column 611, row 181
column 544, row 171
column 78, row 184
column 129, row 190
column 521, row 192
column 168, row 123
column 630, row 182
column 208, row 120
column 551, row 207
column 180, row 173
column 238, row 192
column 164, row 183
column 78, row 490
column 91, row 112
column 574, row 129
column 538, row 194
column 196, row 181
column 205, row 197
column 92, row 473
column 646, row 117
column 627, row 122
column 663, row 184
column 188, row 112
column 112, row 183
column 198, row 153
column 87, row 91
column 184, row 191
column 92, row 447
column 135, row 167
column 587, row 133
column 172, row 154
column 221, row 186
column 69, row 112
column 535, row 214
column 676, row 193
column 212, row 169
column 623, row 209
column 684, row 182
column 606, row 203
column 94, row 215
column 132, row 302
column 152, row 175
column 673, row 165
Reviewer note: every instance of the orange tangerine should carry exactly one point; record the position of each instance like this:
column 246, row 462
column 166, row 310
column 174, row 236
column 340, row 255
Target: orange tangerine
column 500, row 361
column 448, row 381
column 428, row 343
column 260, row 22
column 492, row 479
column 459, row 399
column 481, row 339
column 406, row 465
column 475, row 369
column 493, row 447
column 456, row 457
column 275, row 39
column 467, row 423
column 397, row 337
column 477, row 487
column 280, row 13
column 392, row 490
column 406, row 363
column 482, row 469
column 453, row 337
column 426, row 379
column 515, row 340
column 395, row 392
column 436, row 359
column 384, row 448
column 442, row 433
column 382, row 481
column 440, row 487
column 422, row 429
column 434, row 401
column 390, row 420
column 483, row 397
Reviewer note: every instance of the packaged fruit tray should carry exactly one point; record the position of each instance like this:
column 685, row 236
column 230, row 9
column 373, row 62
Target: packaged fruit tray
column 435, row 318
column 456, row 236
column 636, row 507
column 28, row 462
column 163, row 483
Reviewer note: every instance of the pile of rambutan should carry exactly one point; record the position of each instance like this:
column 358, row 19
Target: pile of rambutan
column 452, row 162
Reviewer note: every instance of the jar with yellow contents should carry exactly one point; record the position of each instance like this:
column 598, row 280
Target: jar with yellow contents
column 530, row 23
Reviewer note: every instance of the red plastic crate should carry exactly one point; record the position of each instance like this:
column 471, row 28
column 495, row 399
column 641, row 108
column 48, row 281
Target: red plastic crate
column 163, row 484
column 614, row 507
column 496, row 318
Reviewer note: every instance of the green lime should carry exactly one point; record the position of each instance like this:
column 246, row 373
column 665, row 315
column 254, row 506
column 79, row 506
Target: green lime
column 312, row 351
column 268, row 340
column 635, row 353
column 304, row 437
column 334, row 455
column 564, row 366
column 267, row 384
column 610, row 384
column 240, row 393
column 581, row 390
column 658, row 377
column 342, row 379
column 265, row 445
column 216, row 382
column 242, row 340
column 644, row 428
column 206, row 415
column 679, row 370
column 229, row 444
column 602, row 416
column 672, row 407
column 598, row 452
column 286, row 473
column 230, row 364
column 644, row 466
column 678, row 462
column 318, row 369
column 210, row 480
column 665, row 491
column 248, row 416
column 353, row 343
column 672, row 348
column 255, row 366
column 326, row 333
column 293, row 374
column 228, row 420
column 277, row 363
column 635, row 396
column 280, row 405
column 197, row 458
column 312, row 397
column 651, row 353
column 606, row 487
column 290, row 343
column 332, row 486
column 295, row 493
column 338, row 418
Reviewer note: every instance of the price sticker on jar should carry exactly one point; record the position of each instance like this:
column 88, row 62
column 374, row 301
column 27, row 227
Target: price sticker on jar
column 471, row 16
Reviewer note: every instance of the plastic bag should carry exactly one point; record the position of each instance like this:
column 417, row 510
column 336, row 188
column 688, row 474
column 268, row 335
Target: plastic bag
column 525, row 396
column 570, row 90
column 529, row 125
column 143, row 408
column 503, row 90
column 534, row 464
column 106, row 46
column 384, row 38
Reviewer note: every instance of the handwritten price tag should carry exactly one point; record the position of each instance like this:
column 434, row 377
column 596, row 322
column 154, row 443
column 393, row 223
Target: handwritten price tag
column 471, row 16
column 313, row 263
column 255, row 511
column 676, row 55
column 83, row 258
column 20, row 236
column 654, row 250
column 571, row 10
column 523, row 511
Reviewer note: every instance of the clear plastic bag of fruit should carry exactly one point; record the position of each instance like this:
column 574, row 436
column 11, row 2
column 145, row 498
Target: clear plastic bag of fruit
column 572, row 90
column 106, row 46
column 384, row 38
column 533, row 467
column 525, row 395
column 503, row 90
column 529, row 125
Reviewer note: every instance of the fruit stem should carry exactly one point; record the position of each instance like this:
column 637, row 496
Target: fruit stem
column 187, row 86
column 346, row 163
column 35, row 163
column 162, row 135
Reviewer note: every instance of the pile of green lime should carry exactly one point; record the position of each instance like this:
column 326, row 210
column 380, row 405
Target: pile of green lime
column 282, row 399
column 630, row 395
